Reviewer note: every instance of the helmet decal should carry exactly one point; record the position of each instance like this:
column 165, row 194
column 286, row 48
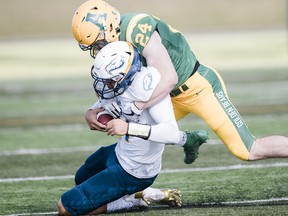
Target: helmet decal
column 93, row 21
column 97, row 19
column 115, row 64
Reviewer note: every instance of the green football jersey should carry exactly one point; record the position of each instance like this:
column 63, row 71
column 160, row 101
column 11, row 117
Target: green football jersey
column 137, row 29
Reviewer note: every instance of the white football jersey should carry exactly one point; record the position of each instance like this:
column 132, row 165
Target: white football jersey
column 139, row 157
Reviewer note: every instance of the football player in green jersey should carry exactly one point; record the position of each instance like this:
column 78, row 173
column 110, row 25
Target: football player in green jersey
column 194, row 87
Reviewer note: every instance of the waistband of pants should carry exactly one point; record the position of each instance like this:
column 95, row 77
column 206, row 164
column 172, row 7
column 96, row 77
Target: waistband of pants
column 184, row 87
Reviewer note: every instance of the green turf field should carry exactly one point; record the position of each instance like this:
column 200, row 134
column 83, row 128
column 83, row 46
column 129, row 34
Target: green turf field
column 45, row 88
column 44, row 138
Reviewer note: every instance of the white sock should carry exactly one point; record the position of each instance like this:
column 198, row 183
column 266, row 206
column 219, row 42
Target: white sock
column 183, row 138
column 125, row 202
column 153, row 194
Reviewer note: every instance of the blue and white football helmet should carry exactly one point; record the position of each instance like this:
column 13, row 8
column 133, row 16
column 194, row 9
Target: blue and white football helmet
column 114, row 69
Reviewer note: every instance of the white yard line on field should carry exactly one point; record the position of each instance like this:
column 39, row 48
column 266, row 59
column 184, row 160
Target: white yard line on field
column 212, row 204
column 220, row 168
column 247, row 202
column 66, row 150
column 204, row 169
column 39, row 213
column 47, row 151
column 41, row 178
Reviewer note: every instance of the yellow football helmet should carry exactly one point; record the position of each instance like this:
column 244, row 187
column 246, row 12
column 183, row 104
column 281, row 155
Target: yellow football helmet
column 94, row 24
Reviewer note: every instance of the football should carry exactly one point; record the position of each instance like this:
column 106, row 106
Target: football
column 103, row 117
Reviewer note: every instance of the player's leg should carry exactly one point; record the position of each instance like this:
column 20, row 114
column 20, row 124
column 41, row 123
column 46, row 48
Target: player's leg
column 170, row 197
column 95, row 163
column 269, row 147
column 206, row 97
column 258, row 149
column 100, row 189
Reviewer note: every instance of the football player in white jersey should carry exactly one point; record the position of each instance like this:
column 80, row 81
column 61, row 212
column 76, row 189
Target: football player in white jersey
column 111, row 178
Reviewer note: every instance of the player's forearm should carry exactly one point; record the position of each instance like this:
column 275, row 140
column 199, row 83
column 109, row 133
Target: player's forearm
column 160, row 133
column 165, row 133
column 157, row 56
column 165, row 130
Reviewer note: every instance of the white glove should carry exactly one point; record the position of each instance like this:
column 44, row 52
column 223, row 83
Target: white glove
column 131, row 112
column 112, row 108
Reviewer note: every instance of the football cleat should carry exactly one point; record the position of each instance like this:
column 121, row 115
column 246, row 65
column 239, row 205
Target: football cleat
column 194, row 140
column 172, row 197
column 140, row 195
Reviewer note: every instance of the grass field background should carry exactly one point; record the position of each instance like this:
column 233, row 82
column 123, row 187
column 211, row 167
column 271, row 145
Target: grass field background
column 45, row 88
column 32, row 18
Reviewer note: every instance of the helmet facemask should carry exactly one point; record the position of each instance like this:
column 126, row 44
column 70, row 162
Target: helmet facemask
column 108, row 88
column 95, row 47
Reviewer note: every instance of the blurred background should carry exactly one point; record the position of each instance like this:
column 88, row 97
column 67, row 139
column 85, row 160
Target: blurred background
column 39, row 56
column 34, row 34
column 46, row 19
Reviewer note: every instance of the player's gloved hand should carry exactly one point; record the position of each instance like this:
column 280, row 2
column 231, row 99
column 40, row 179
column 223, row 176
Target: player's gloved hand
column 112, row 108
column 132, row 112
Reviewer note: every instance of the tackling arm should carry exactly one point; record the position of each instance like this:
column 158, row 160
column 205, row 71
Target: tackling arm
column 157, row 56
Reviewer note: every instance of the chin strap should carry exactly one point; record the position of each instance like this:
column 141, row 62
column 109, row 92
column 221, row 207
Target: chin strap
column 139, row 130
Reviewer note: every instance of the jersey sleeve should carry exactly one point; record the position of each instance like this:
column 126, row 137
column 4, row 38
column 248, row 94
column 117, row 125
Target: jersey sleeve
column 166, row 129
column 145, row 83
column 139, row 30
